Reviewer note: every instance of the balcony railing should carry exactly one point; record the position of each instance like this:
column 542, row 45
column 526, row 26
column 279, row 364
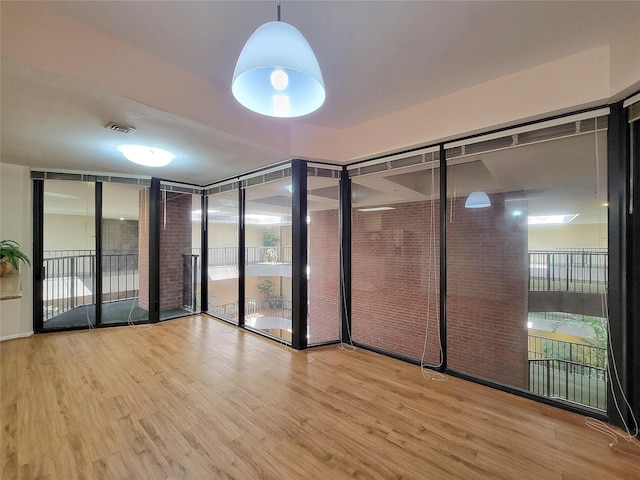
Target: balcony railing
column 542, row 347
column 570, row 381
column 584, row 270
column 69, row 283
column 273, row 307
column 228, row 256
column 570, row 371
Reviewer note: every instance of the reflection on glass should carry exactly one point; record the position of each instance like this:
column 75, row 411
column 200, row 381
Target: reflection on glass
column 179, row 254
column 69, row 263
column 222, row 268
column 395, row 260
column 268, row 285
column 124, row 227
column 323, row 256
column 526, row 275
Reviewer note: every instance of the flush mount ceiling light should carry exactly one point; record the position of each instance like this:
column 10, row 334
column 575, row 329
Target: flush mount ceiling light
column 277, row 73
column 147, row 156
column 477, row 200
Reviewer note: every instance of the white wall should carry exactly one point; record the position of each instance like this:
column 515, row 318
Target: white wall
column 69, row 232
column 551, row 237
column 15, row 224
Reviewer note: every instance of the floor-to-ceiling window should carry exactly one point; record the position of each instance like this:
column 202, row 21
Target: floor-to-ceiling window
column 526, row 237
column 222, row 255
column 69, row 255
column 323, row 238
column 180, row 223
column 395, row 255
column 268, row 253
column 125, row 223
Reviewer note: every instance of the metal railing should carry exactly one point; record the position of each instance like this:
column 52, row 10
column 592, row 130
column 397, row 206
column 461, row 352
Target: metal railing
column 273, row 307
column 542, row 347
column 69, row 282
column 190, row 274
column 119, row 277
column 570, row 371
column 570, row 381
column 228, row 256
column 582, row 270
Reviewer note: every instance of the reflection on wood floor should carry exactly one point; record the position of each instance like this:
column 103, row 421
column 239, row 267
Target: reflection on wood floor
column 197, row 398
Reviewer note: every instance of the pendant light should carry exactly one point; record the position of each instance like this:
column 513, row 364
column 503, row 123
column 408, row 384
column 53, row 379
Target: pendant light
column 277, row 73
column 477, row 200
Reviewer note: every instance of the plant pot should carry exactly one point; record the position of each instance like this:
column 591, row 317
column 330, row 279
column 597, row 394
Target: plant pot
column 5, row 268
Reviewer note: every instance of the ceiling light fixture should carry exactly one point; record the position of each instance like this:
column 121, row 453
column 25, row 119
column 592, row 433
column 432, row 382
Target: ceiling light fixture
column 147, row 156
column 277, row 73
column 375, row 209
column 559, row 219
column 477, row 200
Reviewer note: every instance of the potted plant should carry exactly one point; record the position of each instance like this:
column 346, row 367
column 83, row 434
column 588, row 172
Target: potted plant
column 11, row 256
column 271, row 241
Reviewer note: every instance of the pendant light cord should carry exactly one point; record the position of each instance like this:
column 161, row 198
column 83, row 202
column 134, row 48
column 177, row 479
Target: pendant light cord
column 279, row 11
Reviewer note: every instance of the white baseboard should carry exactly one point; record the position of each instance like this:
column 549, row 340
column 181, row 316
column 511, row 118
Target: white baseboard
column 17, row 335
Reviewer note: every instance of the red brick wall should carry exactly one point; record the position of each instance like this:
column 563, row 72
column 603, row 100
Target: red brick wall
column 390, row 276
column 175, row 239
column 487, row 293
column 487, row 286
column 324, row 279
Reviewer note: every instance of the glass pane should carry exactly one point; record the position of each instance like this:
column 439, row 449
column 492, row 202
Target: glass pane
column 69, row 254
column 124, row 226
column 179, row 263
column 526, row 274
column 222, row 270
column 323, row 201
column 268, row 259
column 395, row 261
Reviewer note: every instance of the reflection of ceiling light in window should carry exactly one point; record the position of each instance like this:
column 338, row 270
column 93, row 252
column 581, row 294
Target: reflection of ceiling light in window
column 552, row 219
column 605, row 204
column 375, row 209
column 146, row 156
column 259, row 219
column 195, row 214
column 529, row 324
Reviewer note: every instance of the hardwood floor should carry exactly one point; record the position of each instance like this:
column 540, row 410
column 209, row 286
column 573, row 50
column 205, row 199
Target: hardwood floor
column 196, row 398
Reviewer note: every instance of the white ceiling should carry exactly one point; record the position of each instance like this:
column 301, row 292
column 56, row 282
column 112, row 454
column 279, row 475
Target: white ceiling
column 376, row 57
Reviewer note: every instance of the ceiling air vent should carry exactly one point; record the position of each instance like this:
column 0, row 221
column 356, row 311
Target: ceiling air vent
column 119, row 127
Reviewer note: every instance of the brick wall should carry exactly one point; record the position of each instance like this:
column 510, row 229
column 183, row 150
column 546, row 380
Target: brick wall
column 390, row 279
column 487, row 286
column 324, row 279
column 175, row 240
column 487, row 291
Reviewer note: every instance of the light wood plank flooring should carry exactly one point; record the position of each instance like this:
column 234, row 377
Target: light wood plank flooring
column 196, row 398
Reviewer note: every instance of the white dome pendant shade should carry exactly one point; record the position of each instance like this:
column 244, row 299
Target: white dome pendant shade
column 277, row 73
column 477, row 200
